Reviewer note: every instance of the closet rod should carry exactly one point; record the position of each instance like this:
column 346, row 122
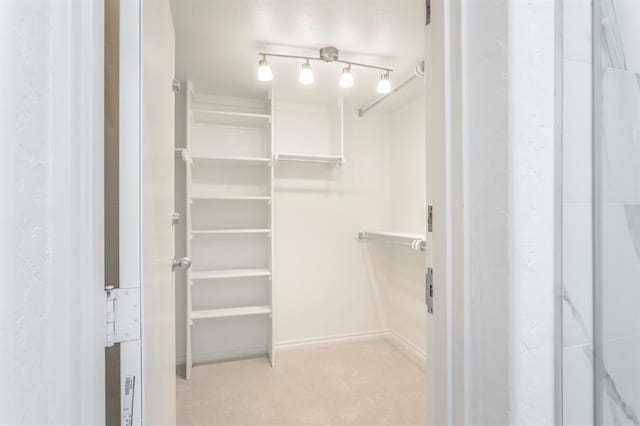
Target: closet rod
column 418, row 71
column 416, row 242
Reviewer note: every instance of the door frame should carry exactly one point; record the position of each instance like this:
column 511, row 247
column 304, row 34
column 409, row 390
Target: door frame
column 76, row 308
column 446, row 327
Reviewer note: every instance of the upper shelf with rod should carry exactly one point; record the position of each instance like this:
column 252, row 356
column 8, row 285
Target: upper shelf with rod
column 418, row 72
column 415, row 241
column 326, row 119
column 305, row 158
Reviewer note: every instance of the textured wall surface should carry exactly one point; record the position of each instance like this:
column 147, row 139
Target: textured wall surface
column 26, row 163
column 50, row 181
column 532, row 210
column 508, row 159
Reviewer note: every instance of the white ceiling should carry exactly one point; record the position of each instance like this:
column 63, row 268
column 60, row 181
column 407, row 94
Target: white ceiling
column 217, row 44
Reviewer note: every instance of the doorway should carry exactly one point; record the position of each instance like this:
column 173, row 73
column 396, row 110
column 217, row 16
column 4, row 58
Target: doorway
column 304, row 211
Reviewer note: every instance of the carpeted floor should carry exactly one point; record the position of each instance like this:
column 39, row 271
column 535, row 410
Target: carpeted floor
column 370, row 382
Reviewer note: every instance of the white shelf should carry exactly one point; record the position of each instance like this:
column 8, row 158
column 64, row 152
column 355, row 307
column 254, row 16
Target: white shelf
column 307, row 158
column 234, row 160
column 229, row 197
column 230, row 312
column 208, row 192
column 229, row 231
column 230, row 118
column 230, row 273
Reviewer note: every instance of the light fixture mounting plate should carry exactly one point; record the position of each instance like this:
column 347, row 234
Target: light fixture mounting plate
column 329, row 54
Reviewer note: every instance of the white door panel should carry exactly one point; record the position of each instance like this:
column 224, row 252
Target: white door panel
column 158, row 341
column 146, row 170
column 129, row 190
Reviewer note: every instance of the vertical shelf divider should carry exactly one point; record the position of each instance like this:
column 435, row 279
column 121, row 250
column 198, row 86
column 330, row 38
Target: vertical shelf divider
column 272, row 278
column 189, row 283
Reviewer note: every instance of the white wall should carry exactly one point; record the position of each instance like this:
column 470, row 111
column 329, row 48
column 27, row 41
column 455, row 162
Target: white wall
column 532, row 211
column 52, row 302
column 494, row 157
column 509, row 162
column 324, row 287
column 403, row 290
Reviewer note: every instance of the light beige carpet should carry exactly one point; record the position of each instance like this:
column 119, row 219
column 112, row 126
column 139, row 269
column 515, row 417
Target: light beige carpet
column 369, row 382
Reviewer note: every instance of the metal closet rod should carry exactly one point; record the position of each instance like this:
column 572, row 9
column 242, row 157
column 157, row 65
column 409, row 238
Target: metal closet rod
column 313, row 58
column 398, row 239
column 418, row 71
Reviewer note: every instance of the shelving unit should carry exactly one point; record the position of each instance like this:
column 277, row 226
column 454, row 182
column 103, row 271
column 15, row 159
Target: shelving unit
column 229, row 193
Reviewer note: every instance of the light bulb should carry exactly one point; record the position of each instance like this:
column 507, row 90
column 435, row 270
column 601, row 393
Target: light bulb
column 264, row 71
column 346, row 79
column 384, row 85
column 306, row 75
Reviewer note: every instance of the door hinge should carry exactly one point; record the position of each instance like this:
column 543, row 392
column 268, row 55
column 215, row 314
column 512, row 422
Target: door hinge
column 429, row 218
column 429, row 290
column 122, row 314
column 175, row 85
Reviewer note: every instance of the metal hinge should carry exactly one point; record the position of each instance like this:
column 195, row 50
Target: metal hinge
column 122, row 315
column 176, row 85
column 429, row 290
column 429, row 218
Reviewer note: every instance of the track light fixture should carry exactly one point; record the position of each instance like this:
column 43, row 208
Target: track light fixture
column 384, row 85
column 306, row 75
column 327, row 54
column 346, row 79
column 264, row 70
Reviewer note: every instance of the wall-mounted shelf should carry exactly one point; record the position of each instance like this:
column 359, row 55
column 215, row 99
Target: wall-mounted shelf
column 233, row 160
column 208, row 192
column 230, row 312
column 306, row 158
column 229, row 197
column 415, row 241
column 319, row 128
column 229, row 231
column 230, row 273
column 230, row 118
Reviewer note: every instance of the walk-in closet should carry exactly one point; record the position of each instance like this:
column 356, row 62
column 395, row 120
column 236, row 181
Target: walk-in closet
column 302, row 203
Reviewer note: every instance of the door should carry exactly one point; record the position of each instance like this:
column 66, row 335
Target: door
column 157, row 205
column 145, row 192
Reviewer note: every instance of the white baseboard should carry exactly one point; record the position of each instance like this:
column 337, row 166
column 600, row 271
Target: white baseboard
column 413, row 350
column 408, row 347
column 224, row 355
column 328, row 340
